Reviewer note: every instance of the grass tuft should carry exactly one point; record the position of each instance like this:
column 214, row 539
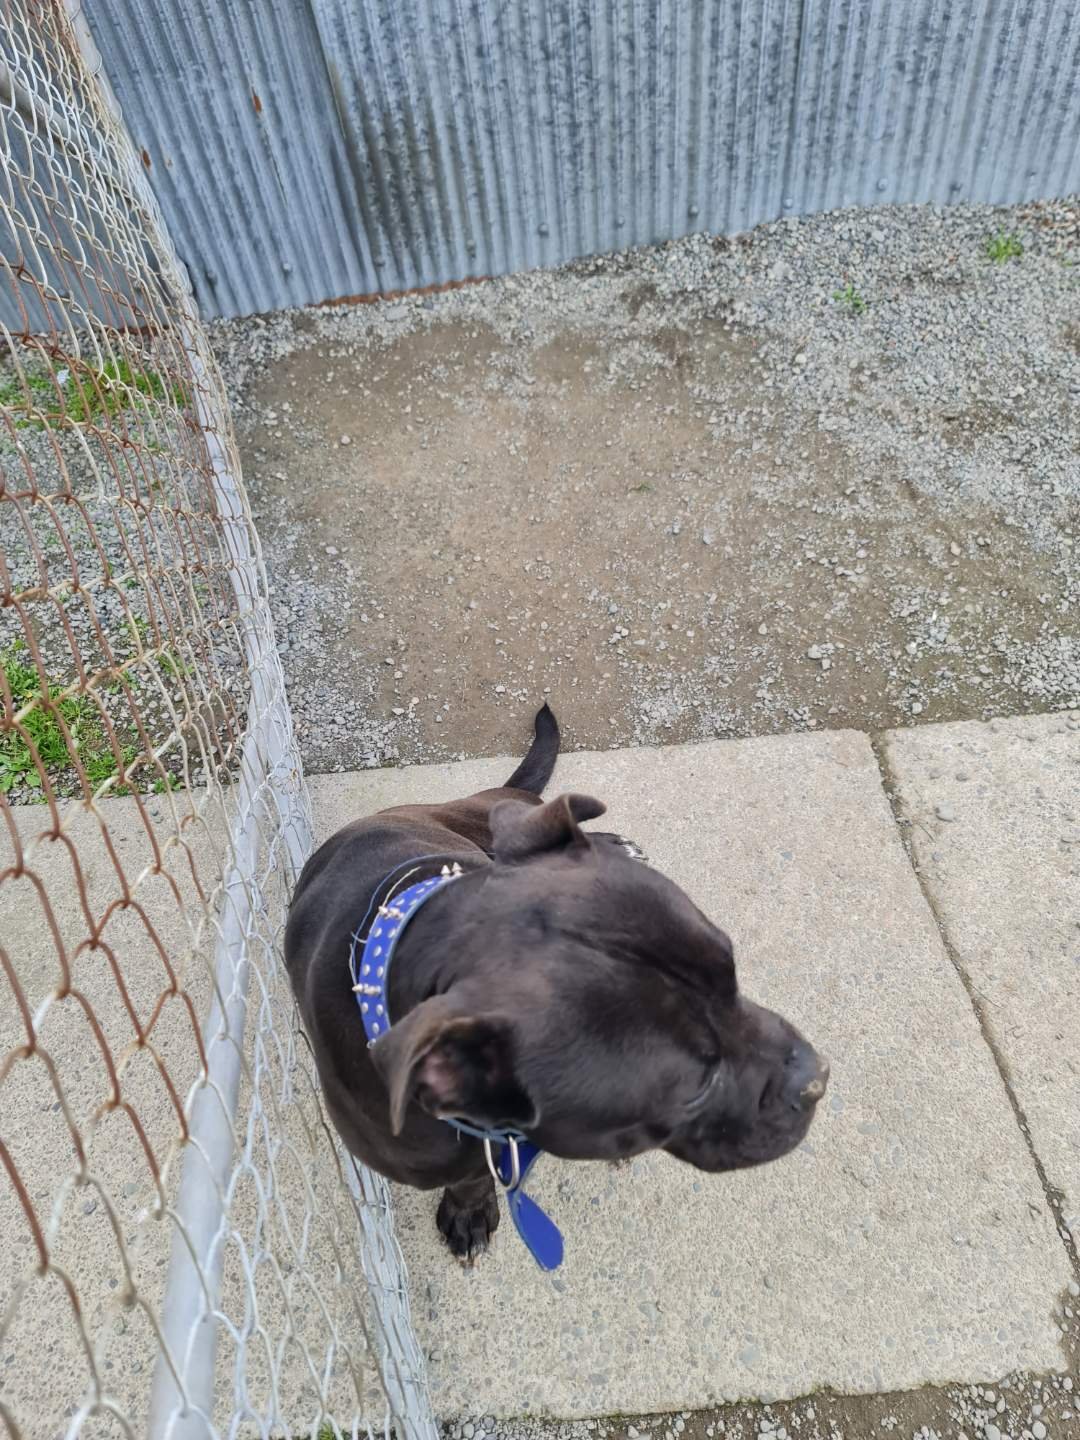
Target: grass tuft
column 44, row 727
column 850, row 297
column 1003, row 246
column 68, row 396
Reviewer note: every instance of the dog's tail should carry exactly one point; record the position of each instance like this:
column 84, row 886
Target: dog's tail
column 534, row 772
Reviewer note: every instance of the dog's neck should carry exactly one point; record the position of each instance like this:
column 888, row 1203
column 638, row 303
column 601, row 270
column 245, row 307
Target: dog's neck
column 424, row 964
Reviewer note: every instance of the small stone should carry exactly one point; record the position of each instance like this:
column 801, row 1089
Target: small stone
column 501, row 690
column 761, row 630
column 1074, row 1288
column 954, row 549
column 991, row 1432
column 89, row 1206
column 916, row 707
column 945, row 812
column 1038, row 1429
column 800, row 360
column 345, row 440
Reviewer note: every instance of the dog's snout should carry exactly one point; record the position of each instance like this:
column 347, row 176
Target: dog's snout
column 807, row 1075
column 812, row 1092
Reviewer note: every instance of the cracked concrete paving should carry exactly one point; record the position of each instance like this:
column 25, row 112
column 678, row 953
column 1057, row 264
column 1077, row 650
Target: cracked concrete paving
column 903, row 1271
column 994, row 824
column 910, row 1242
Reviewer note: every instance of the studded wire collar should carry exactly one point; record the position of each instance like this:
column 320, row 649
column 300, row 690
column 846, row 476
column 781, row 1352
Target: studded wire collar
column 370, row 970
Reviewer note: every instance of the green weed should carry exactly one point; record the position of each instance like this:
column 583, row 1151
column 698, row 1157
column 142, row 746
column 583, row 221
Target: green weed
column 1003, row 246
column 100, row 765
column 43, row 727
column 83, row 397
column 168, row 662
column 850, row 297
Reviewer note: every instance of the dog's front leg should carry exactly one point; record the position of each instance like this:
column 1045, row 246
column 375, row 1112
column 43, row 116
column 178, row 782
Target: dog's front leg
column 468, row 1217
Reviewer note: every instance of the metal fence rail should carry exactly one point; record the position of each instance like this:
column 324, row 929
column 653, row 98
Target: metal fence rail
column 186, row 1250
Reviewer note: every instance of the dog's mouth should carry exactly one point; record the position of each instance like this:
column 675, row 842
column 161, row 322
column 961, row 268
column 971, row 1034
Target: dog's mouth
column 736, row 1128
column 723, row 1149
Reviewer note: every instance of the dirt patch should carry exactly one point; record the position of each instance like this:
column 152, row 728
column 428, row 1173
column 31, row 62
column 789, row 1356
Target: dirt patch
column 682, row 493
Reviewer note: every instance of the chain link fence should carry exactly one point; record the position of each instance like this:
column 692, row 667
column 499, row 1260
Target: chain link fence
column 184, row 1249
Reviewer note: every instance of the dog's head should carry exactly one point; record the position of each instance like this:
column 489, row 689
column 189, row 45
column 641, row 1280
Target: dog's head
column 584, row 999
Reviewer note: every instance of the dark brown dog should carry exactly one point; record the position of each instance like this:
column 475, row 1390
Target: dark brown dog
column 560, row 987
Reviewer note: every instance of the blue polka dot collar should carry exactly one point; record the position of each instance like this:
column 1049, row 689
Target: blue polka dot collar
column 510, row 1156
column 371, row 985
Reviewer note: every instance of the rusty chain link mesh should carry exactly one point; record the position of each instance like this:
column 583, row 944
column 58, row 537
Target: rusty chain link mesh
column 183, row 1248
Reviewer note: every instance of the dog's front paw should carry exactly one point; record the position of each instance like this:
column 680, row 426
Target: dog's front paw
column 468, row 1216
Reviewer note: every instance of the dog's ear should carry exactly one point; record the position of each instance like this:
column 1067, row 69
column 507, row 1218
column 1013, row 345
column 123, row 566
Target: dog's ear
column 452, row 1065
column 520, row 830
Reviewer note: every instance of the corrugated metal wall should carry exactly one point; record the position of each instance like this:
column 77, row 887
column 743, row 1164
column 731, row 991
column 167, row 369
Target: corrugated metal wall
column 309, row 149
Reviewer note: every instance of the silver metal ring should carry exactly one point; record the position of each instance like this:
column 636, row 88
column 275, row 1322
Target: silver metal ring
column 515, row 1164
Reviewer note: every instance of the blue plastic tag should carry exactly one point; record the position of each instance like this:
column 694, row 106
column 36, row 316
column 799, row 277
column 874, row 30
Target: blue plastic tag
column 541, row 1235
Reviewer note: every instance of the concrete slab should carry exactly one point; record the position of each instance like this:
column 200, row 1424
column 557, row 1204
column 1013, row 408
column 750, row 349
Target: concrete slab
column 909, row 1241
column 995, row 831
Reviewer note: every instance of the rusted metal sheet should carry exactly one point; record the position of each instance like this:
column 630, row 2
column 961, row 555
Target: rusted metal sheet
column 308, row 149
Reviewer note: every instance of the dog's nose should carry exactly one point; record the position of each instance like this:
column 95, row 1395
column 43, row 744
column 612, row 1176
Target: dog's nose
column 806, row 1078
column 812, row 1092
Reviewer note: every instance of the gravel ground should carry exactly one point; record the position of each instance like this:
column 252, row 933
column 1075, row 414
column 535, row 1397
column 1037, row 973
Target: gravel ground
column 823, row 474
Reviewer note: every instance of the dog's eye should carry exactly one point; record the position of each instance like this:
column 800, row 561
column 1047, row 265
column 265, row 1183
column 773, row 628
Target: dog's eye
column 705, row 1091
